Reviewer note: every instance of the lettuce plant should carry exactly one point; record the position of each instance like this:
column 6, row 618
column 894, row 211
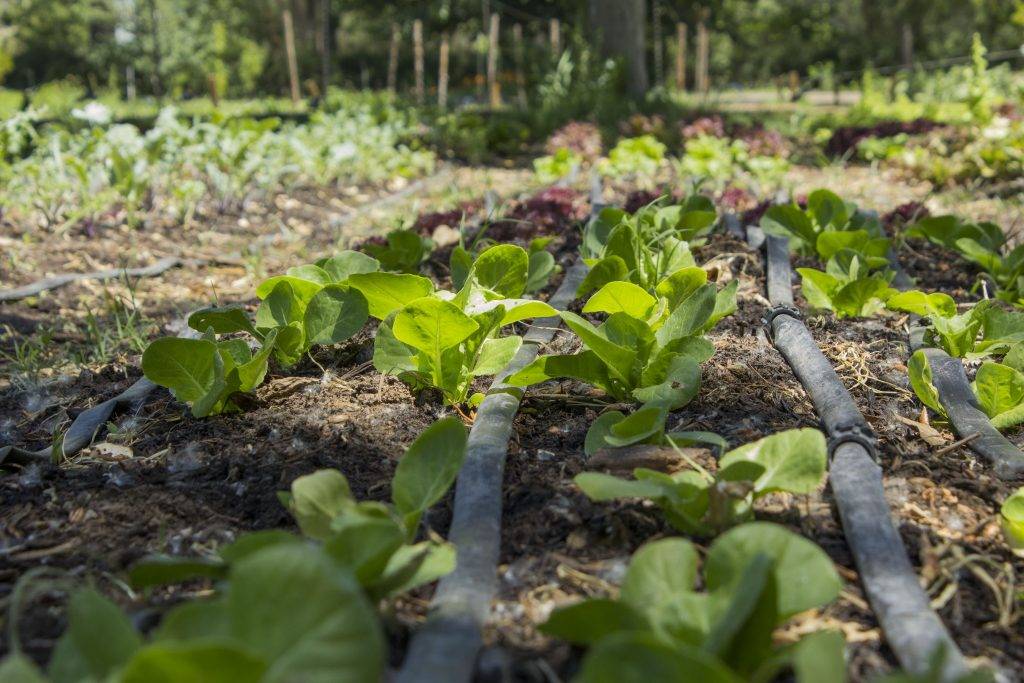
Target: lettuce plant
column 441, row 340
column 311, row 304
column 1011, row 516
column 998, row 387
column 645, row 248
column 827, row 213
column 641, row 155
column 981, row 331
column 660, row 628
column 846, row 287
column 648, row 349
column 403, row 251
column 614, row 429
column 697, row 502
column 285, row 607
column 554, row 167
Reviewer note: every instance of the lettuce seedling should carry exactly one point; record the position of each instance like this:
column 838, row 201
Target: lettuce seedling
column 641, row 155
column 614, row 429
column 826, row 213
column 661, row 628
column 206, row 373
column 846, row 286
column 1011, row 516
column 947, row 231
column 554, row 167
column 697, row 502
column 955, row 333
column 403, row 252
column 649, row 349
column 444, row 340
column 372, row 540
column 998, row 388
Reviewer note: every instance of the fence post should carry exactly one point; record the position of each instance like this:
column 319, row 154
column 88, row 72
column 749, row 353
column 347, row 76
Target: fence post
column 442, row 75
column 703, row 56
column 289, row 47
column 659, row 44
column 680, row 56
column 517, row 38
column 393, row 58
column 555, row 36
column 417, row 48
column 492, row 61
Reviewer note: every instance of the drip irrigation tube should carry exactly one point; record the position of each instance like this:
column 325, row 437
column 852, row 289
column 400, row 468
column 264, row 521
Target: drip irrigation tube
column 958, row 400
column 445, row 649
column 84, row 428
column 914, row 632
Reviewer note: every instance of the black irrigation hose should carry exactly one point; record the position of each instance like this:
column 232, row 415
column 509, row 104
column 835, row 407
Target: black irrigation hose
column 965, row 415
column 445, row 649
column 914, row 632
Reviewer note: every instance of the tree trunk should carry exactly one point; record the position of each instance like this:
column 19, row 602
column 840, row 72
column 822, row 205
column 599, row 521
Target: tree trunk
column 618, row 27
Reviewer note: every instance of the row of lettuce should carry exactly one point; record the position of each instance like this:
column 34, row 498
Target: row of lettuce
column 305, row 606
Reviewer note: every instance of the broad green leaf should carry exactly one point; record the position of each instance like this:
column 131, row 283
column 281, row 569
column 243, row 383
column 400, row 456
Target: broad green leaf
column 159, row 570
column 99, row 636
column 1001, row 329
column 828, row 209
column 282, row 306
column 642, row 424
column 306, row 617
column 689, row 317
column 17, row 668
column 388, row 292
column 599, row 430
column 459, row 264
column 185, row 366
column 390, row 356
column 635, row 657
column 252, row 373
column 725, row 304
column 920, row 372
column 250, row 543
column 210, row 662
column 587, row 622
column 194, row 620
column 681, row 284
column 317, row 498
column 334, row 314
column 790, row 220
column 223, row 320
column 660, row 569
column 502, row 269
column 347, row 263
column 1000, row 392
column 428, row 469
column 621, row 297
column 363, row 540
column 495, row 354
column 542, row 266
column 310, row 272
column 302, row 289
column 935, row 305
column 604, row 487
column 608, row 269
column 818, row 288
column 415, row 565
column 586, row 366
column 618, row 359
column 432, row 325
column 1012, row 517
column 862, row 297
column 678, row 387
column 793, row 461
column 804, row 574
column 744, row 616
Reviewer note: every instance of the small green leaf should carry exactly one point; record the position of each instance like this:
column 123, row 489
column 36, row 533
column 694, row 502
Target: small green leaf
column 347, row 263
column 223, row 320
column 317, row 499
column 793, row 461
column 334, row 314
column 158, row 570
column 604, row 487
column 587, row 622
column 432, row 325
column 194, row 661
column 388, row 292
column 495, row 354
column 920, row 372
column 636, row 657
column 502, row 269
column 99, row 634
column 428, row 469
column 658, row 570
column 1012, row 518
column 621, row 297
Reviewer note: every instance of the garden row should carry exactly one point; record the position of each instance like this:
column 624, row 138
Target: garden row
column 641, row 338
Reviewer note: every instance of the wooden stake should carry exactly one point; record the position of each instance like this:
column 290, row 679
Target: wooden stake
column 396, row 36
column 517, row 38
column 555, row 36
column 417, row 48
column 289, row 46
column 492, row 62
column 680, row 57
column 703, row 49
column 659, row 45
column 442, row 75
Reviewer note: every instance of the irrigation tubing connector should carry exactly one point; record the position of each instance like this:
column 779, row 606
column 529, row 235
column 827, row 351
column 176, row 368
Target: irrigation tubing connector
column 914, row 632
column 445, row 648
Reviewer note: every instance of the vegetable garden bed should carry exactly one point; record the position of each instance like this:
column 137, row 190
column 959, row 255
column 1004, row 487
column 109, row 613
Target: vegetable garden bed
column 188, row 486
